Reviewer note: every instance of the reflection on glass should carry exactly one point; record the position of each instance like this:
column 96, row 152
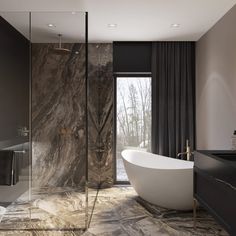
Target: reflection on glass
column 15, row 162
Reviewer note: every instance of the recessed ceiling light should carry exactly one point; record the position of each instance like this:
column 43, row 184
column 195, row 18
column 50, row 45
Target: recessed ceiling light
column 51, row 25
column 73, row 12
column 112, row 25
column 175, row 25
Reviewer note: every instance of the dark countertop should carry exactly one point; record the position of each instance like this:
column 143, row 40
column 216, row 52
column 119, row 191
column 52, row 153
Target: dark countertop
column 225, row 156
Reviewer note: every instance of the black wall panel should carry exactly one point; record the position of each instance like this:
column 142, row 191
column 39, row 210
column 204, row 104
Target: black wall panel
column 131, row 57
column 14, row 83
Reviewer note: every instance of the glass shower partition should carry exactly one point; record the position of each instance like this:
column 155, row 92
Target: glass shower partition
column 55, row 131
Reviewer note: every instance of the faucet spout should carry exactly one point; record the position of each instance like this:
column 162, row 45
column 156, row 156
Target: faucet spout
column 181, row 153
column 188, row 152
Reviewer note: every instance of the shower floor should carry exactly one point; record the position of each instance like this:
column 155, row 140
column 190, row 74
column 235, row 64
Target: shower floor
column 118, row 211
column 49, row 209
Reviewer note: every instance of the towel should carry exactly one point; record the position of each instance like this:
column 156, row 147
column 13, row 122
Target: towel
column 8, row 171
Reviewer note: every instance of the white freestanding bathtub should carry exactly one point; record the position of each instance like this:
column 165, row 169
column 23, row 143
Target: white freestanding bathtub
column 164, row 181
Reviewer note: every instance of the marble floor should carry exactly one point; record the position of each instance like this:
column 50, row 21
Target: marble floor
column 118, row 211
column 50, row 211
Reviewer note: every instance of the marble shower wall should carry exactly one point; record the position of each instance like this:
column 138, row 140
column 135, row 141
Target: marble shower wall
column 58, row 116
column 59, row 121
column 100, row 116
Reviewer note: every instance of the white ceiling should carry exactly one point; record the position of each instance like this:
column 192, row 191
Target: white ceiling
column 137, row 20
column 70, row 26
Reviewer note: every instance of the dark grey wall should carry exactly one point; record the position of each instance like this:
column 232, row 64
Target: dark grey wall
column 14, row 104
column 216, row 85
column 131, row 57
column 14, row 84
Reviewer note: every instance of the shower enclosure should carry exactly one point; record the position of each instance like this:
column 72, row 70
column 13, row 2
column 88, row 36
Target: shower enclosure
column 43, row 138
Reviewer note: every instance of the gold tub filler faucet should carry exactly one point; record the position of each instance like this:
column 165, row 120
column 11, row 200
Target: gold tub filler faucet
column 187, row 152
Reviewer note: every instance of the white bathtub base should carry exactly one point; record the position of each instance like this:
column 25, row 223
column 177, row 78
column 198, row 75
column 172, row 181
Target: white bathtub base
column 163, row 181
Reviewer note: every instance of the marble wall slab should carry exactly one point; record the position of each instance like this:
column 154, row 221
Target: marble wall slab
column 58, row 116
column 100, row 115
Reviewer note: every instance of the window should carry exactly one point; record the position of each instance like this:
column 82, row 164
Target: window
column 133, row 118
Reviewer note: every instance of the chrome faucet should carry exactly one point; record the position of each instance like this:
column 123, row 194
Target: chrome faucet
column 187, row 152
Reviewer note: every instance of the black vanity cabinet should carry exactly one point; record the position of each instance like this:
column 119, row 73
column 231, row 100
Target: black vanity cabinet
column 215, row 185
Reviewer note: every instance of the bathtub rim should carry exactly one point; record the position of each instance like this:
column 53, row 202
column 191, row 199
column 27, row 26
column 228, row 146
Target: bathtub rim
column 154, row 168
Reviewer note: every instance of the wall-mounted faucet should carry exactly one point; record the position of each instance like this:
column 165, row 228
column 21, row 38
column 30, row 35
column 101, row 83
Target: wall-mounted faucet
column 187, row 152
column 23, row 131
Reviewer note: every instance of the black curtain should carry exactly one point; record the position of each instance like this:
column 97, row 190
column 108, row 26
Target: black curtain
column 173, row 97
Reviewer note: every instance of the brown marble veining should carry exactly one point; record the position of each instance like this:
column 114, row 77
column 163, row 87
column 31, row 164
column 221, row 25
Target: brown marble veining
column 100, row 115
column 49, row 209
column 119, row 211
column 58, row 116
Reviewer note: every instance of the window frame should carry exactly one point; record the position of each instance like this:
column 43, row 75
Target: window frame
column 115, row 76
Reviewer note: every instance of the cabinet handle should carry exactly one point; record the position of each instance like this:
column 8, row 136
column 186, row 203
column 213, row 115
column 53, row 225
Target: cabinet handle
column 228, row 184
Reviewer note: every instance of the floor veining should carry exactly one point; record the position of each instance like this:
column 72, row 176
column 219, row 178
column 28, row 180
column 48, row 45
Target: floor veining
column 50, row 211
column 118, row 212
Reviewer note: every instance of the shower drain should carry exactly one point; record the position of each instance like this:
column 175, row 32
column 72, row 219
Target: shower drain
column 2, row 212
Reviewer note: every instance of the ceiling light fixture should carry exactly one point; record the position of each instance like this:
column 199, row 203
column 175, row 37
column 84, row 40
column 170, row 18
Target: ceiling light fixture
column 51, row 25
column 73, row 12
column 175, row 25
column 112, row 25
